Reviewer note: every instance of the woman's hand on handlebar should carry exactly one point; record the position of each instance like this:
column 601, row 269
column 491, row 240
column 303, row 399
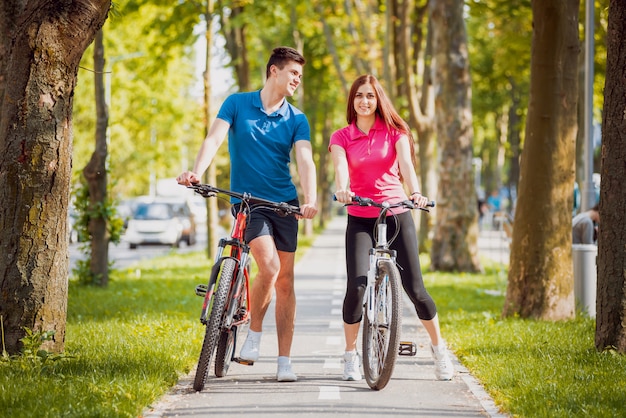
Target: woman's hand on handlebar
column 418, row 200
column 188, row 178
column 344, row 196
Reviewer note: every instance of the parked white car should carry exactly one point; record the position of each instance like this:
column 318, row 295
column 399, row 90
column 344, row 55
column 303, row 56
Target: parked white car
column 156, row 223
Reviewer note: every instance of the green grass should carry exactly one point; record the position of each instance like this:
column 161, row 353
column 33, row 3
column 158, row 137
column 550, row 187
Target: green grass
column 126, row 345
column 530, row 368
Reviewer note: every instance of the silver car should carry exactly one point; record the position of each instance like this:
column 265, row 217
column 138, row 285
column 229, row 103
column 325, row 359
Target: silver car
column 156, row 223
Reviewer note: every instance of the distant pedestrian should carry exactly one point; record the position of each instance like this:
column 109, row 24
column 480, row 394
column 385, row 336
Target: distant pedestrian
column 585, row 226
column 494, row 202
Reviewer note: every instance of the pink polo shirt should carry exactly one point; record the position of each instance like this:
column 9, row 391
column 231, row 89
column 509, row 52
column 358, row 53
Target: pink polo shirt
column 372, row 165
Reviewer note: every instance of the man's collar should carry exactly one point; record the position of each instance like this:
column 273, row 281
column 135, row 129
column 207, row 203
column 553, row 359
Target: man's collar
column 257, row 102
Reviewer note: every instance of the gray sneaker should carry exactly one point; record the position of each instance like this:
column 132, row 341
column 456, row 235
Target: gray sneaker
column 444, row 370
column 351, row 363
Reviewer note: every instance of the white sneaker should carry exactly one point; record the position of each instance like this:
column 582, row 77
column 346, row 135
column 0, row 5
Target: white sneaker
column 250, row 349
column 285, row 374
column 444, row 370
column 351, row 365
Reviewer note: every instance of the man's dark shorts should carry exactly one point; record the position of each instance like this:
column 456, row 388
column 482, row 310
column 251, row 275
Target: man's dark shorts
column 284, row 229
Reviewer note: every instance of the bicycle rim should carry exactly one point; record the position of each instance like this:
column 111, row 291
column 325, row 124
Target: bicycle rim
column 225, row 349
column 214, row 324
column 381, row 335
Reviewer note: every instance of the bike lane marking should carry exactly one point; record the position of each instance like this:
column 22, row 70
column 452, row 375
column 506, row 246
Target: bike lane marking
column 329, row 392
column 333, row 341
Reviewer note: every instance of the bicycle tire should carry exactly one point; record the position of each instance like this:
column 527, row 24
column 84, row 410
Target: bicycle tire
column 214, row 324
column 381, row 337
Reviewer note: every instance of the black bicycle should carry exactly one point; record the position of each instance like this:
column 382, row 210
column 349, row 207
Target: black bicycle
column 382, row 301
column 226, row 305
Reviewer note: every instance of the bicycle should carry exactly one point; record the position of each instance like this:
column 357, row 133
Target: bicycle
column 226, row 303
column 382, row 301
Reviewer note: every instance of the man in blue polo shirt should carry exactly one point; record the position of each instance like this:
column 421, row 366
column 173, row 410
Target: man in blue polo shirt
column 262, row 128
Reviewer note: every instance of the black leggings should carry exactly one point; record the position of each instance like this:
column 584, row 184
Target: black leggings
column 359, row 239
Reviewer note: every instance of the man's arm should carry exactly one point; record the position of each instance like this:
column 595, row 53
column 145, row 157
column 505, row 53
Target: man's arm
column 210, row 145
column 308, row 178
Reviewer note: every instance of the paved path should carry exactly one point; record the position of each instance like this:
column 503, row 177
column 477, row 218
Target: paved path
column 316, row 358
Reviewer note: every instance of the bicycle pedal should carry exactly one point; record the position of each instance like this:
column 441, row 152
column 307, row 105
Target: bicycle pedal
column 243, row 361
column 407, row 348
column 201, row 289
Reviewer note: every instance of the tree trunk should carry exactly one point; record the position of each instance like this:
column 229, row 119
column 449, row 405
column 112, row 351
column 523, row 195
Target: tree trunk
column 456, row 230
column 541, row 282
column 412, row 59
column 514, row 141
column 212, row 223
column 40, row 49
column 611, row 293
column 95, row 173
column 235, row 37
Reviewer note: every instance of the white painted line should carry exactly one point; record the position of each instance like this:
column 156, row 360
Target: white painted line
column 329, row 392
column 335, row 311
column 335, row 325
column 336, row 302
column 334, row 340
column 332, row 363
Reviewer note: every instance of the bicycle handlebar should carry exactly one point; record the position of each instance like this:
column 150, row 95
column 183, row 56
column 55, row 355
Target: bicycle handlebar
column 206, row 190
column 366, row 201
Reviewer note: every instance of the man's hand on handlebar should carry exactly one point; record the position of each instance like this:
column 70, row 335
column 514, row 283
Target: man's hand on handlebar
column 187, row 178
column 308, row 211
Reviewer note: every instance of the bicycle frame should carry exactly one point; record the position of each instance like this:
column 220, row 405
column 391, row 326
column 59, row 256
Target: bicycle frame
column 380, row 251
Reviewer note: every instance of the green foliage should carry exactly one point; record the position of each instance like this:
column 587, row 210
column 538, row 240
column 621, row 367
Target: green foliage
column 155, row 115
column 32, row 358
column 85, row 212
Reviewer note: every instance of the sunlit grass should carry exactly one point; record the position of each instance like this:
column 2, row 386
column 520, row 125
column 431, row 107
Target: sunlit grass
column 126, row 345
column 530, row 368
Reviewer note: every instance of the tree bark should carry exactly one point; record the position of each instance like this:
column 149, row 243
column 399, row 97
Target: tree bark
column 456, row 230
column 40, row 49
column 611, row 293
column 541, row 282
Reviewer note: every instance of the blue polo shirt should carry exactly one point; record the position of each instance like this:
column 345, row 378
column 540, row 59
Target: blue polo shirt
column 260, row 145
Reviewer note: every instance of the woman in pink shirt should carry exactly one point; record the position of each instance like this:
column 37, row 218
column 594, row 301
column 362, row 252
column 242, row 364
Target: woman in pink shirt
column 373, row 157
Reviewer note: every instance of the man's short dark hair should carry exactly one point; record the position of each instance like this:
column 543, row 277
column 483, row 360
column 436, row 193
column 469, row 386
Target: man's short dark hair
column 281, row 56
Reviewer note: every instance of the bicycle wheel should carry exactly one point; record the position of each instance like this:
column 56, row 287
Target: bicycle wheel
column 214, row 324
column 228, row 338
column 381, row 334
